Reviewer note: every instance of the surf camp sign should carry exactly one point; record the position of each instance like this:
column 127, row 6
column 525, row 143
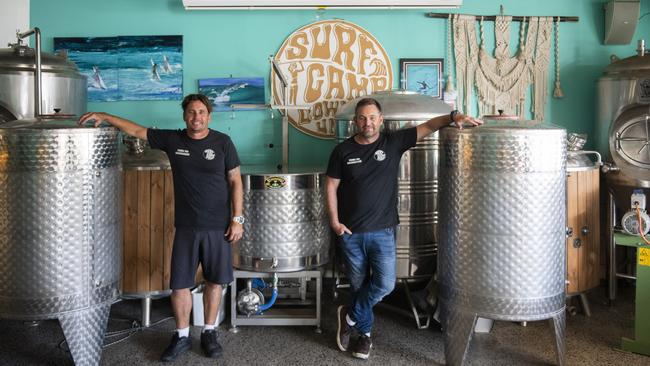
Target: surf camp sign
column 325, row 64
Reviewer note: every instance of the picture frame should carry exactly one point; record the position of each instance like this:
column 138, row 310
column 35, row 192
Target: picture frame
column 422, row 75
column 246, row 93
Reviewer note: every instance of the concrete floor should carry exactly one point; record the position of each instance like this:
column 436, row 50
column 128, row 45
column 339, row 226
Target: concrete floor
column 590, row 341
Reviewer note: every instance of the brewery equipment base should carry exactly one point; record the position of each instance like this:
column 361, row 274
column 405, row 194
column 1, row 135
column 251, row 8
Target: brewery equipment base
column 304, row 309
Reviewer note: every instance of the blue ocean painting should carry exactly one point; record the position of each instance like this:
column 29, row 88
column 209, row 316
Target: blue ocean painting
column 223, row 92
column 424, row 79
column 151, row 67
column 128, row 67
column 96, row 58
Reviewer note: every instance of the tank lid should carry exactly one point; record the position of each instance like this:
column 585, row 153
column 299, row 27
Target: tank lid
column 631, row 64
column 273, row 170
column 51, row 122
column 577, row 161
column 500, row 116
column 513, row 125
column 399, row 105
column 23, row 57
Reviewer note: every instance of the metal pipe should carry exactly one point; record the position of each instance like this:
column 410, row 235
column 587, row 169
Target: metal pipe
column 611, row 246
column 38, row 95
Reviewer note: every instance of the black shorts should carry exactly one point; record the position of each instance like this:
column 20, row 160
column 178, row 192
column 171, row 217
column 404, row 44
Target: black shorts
column 206, row 246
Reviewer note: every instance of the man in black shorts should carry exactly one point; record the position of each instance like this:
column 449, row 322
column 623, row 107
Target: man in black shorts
column 205, row 168
column 361, row 189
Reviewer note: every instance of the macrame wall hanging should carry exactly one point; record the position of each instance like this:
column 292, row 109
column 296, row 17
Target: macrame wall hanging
column 502, row 80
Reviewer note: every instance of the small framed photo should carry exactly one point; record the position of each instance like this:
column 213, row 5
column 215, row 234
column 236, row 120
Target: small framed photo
column 422, row 75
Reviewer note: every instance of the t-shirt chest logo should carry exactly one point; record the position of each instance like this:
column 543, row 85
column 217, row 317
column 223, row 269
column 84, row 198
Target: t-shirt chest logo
column 380, row 155
column 208, row 154
column 183, row 152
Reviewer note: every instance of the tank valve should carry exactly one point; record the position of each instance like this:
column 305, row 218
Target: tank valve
column 609, row 167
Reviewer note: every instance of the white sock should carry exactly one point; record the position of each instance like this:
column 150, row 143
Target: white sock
column 349, row 321
column 185, row 332
column 367, row 334
column 208, row 327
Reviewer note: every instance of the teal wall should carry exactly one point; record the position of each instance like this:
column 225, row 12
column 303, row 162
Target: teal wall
column 238, row 43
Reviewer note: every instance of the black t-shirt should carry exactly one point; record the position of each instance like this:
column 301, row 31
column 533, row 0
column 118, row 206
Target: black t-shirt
column 367, row 193
column 200, row 170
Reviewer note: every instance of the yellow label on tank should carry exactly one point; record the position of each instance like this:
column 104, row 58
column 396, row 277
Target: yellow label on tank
column 644, row 257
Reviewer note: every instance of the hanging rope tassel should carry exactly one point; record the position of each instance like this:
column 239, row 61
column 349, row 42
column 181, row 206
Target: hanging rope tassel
column 557, row 92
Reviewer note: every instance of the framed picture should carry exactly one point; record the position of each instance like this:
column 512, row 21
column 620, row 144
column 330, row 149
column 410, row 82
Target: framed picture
column 128, row 67
column 422, row 75
column 245, row 92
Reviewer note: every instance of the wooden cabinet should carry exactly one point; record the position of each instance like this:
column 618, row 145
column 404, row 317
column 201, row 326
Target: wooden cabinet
column 148, row 231
column 583, row 221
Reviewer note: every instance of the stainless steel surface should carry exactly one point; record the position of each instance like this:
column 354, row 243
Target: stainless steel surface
column 60, row 249
column 417, row 198
column 286, row 226
column 63, row 87
column 502, row 228
column 149, row 159
column 629, row 141
column 622, row 128
column 398, row 105
column 579, row 160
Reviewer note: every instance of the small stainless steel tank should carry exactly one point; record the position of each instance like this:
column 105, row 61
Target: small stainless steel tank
column 286, row 226
column 60, row 235
column 63, row 86
column 502, row 228
column 417, row 195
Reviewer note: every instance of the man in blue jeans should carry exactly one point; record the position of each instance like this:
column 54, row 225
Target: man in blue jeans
column 361, row 189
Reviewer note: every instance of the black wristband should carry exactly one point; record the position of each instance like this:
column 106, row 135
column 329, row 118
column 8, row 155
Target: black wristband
column 452, row 115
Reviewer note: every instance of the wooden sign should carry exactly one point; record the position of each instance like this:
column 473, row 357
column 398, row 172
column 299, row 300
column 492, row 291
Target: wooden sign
column 325, row 64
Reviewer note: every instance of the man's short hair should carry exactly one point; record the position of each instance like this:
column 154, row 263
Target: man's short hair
column 200, row 97
column 367, row 101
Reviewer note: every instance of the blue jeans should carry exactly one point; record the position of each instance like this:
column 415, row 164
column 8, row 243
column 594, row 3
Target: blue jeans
column 370, row 262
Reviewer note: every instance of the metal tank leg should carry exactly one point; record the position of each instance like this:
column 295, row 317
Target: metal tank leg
column 416, row 315
column 84, row 331
column 146, row 312
column 457, row 334
column 559, row 327
column 585, row 304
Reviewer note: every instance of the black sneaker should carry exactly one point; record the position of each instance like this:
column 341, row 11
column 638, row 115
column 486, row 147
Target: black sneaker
column 177, row 347
column 210, row 345
column 344, row 330
column 362, row 348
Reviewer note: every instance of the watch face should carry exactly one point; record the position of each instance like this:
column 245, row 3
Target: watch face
column 238, row 219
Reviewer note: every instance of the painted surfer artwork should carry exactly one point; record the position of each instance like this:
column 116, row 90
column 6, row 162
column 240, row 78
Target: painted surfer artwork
column 244, row 93
column 128, row 67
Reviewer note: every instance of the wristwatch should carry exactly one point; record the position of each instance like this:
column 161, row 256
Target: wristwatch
column 239, row 219
column 452, row 116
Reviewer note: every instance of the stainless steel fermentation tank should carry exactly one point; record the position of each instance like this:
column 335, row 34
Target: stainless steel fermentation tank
column 62, row 89
column 417, row 197
column 623, row 137
column 502, row 229
column 286, row 237
column 286, row 226
column 59, row 214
